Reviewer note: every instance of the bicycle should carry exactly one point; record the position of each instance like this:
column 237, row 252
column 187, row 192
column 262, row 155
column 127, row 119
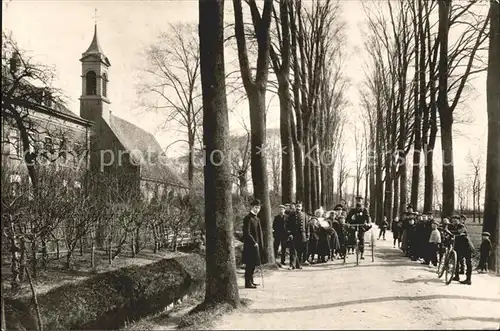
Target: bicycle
column 356, row 246
column 448, row 262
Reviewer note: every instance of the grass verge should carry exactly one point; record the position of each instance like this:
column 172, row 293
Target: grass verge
column 203, row 316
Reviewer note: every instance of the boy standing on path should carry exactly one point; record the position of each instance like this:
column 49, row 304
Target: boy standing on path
column 280, row 233
column 383, row 228
column 252, row 243
column 433, row 247
column 484, row 251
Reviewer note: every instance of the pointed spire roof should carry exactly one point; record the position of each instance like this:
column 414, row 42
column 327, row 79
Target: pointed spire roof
column 95, row 49
column 94, row 45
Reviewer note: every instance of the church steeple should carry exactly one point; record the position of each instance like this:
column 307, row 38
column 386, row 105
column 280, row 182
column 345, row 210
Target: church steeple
column 94, row 45
column 95, row 49
column 94, row 102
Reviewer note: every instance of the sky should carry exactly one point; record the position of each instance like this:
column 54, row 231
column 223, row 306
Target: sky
column 57, row 32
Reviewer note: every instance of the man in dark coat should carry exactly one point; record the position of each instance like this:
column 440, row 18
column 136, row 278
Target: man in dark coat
column 406, row 217
column 412, row 239
column 454, row 228
column 252, row 243
column 291, row 230
column 280, row 233
column 299, row 224
column 464, row 249
column 359, row 215
column 396, row 229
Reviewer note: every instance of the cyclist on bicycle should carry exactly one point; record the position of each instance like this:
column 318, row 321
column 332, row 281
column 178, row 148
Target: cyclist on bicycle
column 446, row 236
column 359, row 215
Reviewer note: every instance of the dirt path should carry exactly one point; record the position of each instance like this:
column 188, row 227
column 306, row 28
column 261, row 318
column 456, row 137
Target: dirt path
column 390, row 293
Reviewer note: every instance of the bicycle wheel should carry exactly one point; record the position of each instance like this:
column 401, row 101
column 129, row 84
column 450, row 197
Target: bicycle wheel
column 451, row 265
column 357, row 253
column 441, row 267
column 373, row 247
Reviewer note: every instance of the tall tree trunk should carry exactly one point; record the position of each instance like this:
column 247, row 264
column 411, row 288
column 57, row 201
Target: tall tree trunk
column 429, row 151
column 257, row 103
column 491, row 220
column 287, row 152
column 298, row 159
column 256, row 92
column 283, row 73
column 324, row 186
column 296, row 127
column 307, row 168
column 445, row 111
column 191, row 159
column 314, row 173
column 221, row 284
column 417, row 129
column 373, row 189
column 403, row 182
column 395, row 204
column 388, row 189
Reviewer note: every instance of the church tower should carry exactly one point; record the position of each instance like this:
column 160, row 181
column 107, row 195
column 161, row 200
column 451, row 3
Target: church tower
column 94, row 102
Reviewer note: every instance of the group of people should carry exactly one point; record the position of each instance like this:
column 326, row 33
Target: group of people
column 332, row 235
column 308, row 238
column 420, row 237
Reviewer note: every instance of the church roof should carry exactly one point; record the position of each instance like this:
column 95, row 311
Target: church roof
column 95, row 49
column 144, row 148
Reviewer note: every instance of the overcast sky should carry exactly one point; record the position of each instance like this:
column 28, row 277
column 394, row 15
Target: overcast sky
column 57, row 32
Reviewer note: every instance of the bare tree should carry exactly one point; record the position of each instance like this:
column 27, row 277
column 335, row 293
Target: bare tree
column 273, row 150
column 171, row 82
column 240, row 162
column 281, row 65
column 255, row 88
column 477, row 185
column 343, row 172
column 467, row 58
column 360, row 156
column 221, row 284
column 491, row 218
column 26, row 86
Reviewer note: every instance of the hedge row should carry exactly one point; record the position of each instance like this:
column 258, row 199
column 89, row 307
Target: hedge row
column 109, row 300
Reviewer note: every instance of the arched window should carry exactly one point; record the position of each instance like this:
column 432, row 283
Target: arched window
column 91, row 80
column 105, row 85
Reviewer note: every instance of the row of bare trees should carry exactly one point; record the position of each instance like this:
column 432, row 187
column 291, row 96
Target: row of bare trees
column 410, row 79
column 64, row 219
column 301, row 44
column 415, row 81
column 52, row 205
column 423, row 57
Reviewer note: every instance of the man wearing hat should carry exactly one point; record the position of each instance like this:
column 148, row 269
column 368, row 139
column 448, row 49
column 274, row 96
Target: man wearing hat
column 297, row 229
column 464, row 249
column 279, row 233
column 405, row 222
column 252, row 243
column 359, row 215
column 287, row 209
column 485, row 252
column 342, row 232
column 456, row 227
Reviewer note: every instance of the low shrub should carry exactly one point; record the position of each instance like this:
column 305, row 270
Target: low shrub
column 109, row 300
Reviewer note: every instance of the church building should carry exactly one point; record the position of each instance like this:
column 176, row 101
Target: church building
column 124, row 158
column 129, row 154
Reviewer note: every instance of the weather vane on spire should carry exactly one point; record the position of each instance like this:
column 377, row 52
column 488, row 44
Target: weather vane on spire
column 95, row 16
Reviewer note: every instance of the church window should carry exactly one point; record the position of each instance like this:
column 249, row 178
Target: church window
column 91, row 81
column 105, row 85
